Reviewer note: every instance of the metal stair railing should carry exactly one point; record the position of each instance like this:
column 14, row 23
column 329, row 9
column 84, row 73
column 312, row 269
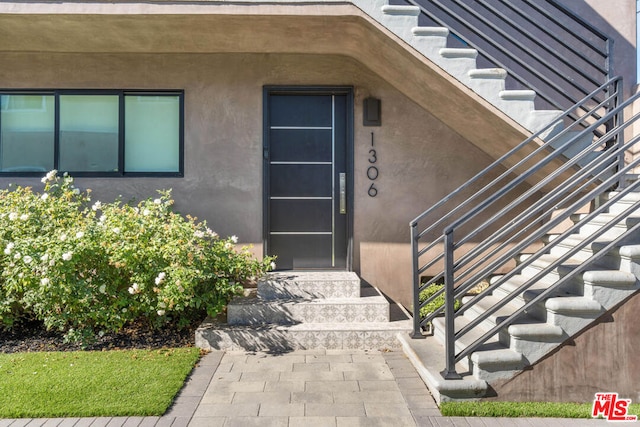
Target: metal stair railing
column 506, row 218
column 542, row 44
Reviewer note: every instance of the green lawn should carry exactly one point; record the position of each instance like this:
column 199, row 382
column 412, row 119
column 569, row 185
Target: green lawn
column 83, row 384
column 522, row 409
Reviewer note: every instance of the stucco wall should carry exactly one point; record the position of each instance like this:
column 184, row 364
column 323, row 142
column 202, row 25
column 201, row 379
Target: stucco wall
column 419, row 158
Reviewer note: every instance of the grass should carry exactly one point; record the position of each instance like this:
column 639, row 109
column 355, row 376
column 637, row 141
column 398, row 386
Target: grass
column 87, row 384
column 522, row 409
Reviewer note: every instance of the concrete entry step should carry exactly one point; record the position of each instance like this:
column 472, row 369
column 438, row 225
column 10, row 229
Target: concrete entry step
column 307, row 310
column 254, row 311
column 216, row 335
column 309, row 284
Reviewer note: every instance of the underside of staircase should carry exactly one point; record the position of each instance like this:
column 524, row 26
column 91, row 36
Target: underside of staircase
column 307, row 310
column 551, row 323
column 461, row 63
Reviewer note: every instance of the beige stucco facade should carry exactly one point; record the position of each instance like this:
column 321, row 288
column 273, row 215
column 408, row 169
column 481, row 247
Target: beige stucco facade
column 420, row 158
column 435, row 133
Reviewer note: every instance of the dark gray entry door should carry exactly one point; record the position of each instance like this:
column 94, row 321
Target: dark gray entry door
column 306, row 136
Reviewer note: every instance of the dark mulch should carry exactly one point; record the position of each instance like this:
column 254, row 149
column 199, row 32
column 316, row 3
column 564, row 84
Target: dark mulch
column 32, row 336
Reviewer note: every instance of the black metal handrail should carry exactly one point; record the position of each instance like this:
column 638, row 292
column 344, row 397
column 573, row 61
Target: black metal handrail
column 542, row 45
column 508, row 219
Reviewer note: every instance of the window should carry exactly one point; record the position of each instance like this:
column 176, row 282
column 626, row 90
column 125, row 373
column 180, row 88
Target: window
column 92, row 133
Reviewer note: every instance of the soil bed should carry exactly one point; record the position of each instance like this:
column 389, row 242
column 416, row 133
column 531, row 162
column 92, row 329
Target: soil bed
column 33, row 337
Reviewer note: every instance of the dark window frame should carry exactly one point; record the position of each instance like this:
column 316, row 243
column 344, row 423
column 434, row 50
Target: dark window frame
column 121, row 93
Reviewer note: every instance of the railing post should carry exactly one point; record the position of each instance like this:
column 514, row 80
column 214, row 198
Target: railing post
column 618, row 120
column 417, row 330
column 449, row 372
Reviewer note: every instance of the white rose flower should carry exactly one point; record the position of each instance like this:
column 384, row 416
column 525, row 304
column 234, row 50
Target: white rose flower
column 24, row 217
column 44, row 257
column 212, row 233
column 102, row 289
column 63, row 237
column 27, row 259
column 161, row 312
column 146, row 212
column 157, row 201
column 116, row 230
column 199, row 234
column 96, row 206
column 272, row 265
column 134, row 289
column 234, row 238
column 44, row 281
column 13, row 216
column 160, row 278
column 67, row 256
column 45, row 196
column 17, row 255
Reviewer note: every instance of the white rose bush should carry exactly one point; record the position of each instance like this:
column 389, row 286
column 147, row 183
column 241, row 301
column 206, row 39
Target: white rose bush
column 89, row 268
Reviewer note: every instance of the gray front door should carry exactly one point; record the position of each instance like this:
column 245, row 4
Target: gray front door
column 306, row 181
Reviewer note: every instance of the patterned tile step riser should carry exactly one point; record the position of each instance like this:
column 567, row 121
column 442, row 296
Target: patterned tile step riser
column 283, row 340
column 290, row 285
column 254, row 311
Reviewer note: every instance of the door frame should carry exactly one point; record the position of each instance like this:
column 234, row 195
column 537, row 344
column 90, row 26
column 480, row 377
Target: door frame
column 313, row 90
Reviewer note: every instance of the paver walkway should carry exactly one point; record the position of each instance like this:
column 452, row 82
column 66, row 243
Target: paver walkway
column 302, row 388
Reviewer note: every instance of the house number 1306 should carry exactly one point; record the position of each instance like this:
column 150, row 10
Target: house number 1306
column 372, row 171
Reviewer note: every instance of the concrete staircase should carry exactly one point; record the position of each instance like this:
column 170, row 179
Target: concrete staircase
column 460, row 63
column 306, row 310
column 546, row 326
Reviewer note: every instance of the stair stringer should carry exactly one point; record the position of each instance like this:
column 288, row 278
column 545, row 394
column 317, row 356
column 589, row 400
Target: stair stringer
column 461, row 64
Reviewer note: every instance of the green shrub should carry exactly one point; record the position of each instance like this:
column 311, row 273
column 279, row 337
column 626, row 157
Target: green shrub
column 438, row 302
column 88, row 268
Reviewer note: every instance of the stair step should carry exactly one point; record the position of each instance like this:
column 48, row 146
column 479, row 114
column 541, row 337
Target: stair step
column 572, row 314
column 429, row 40
column 544, row 261
column 254, row 311
column 491, row 365
column 609, row 287
column 539, row 119
column 487, row 82
column 580, row 141
column 215, row 335
column 595, row 224
column 535, row 340
column 291, row 285
column 517, row 104
column 467, row 339
column 486, row 303
column 401, row 20
column 427, row 356
column 401, row 10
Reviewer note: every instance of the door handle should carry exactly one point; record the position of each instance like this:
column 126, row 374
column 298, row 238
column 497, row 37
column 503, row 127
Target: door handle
column 343, row 193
